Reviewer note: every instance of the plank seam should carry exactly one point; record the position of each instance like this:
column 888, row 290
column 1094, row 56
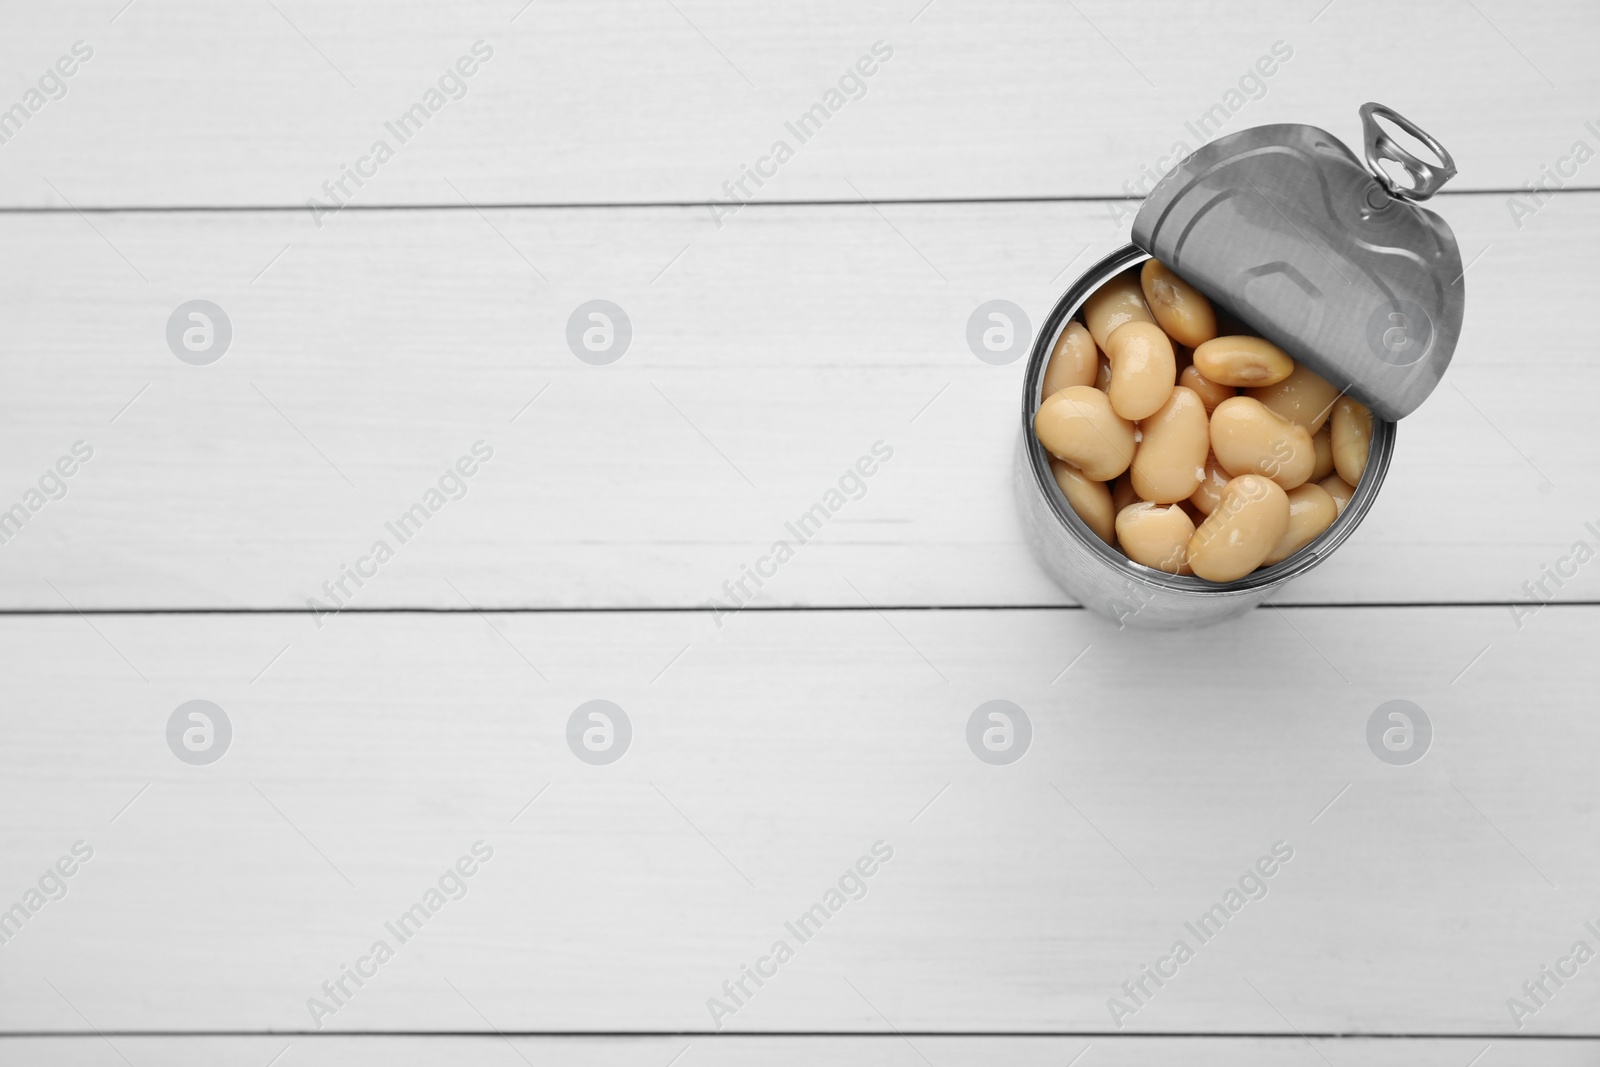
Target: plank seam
column 1231, row 1035
column 1086, row 198
column 773, row 609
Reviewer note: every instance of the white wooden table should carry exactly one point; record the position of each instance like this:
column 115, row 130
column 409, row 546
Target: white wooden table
column 371, row 748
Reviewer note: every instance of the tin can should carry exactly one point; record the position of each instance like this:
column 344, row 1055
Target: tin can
column 1284, row 229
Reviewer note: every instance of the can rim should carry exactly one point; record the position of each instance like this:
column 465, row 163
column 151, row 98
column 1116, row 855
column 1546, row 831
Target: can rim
column 1380, row 453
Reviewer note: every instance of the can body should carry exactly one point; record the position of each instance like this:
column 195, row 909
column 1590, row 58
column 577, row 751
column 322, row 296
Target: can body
column 1098, row 575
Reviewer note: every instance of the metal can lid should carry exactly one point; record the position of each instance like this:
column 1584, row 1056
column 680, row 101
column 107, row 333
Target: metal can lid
column 1336, row 264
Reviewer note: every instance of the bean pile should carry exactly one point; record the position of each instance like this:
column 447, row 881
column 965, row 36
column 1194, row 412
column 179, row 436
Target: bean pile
column 1191, row 452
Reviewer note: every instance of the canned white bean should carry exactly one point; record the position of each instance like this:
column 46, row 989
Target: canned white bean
column 1101, row 575
column 1230, row 226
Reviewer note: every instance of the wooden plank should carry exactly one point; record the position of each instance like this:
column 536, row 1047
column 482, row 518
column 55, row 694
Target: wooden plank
column 766, row 359
column 766, row 758
column 706, row 1052
column 187, row 104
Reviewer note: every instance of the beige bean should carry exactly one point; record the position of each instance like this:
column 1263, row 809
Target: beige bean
column 1241, row 530
column 1352, row 438
column 1074, row 360
column 1102, row 377
column 1209, row 495
column 1304, row 397
column 1118, row 301
column 1212, row 393
column 1312, row 509
column 1243, row 361
column 1090, row 499
column 1249, row 439
column 1143, row 369
column 1077, row 425
column 1122, row 493
column 1156, row 535
column 1179, row 309
column 1322, row 441
column 1170, row 461
column 1339, row 489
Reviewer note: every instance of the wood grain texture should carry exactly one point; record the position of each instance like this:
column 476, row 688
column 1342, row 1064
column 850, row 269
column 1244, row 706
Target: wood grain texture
column 771, row 749
column 766, row 358
column 188, row 104
column 767, row 757
column 782, row 1051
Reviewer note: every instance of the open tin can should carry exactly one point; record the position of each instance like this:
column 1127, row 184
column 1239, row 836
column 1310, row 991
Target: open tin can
column 1284, row 229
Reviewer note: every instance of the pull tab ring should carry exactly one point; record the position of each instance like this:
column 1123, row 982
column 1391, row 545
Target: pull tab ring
column 1426, row 178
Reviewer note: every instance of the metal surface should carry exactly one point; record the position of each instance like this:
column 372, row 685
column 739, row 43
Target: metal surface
column 1426, row 178
column 1285, row 227
column 1100, row 576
